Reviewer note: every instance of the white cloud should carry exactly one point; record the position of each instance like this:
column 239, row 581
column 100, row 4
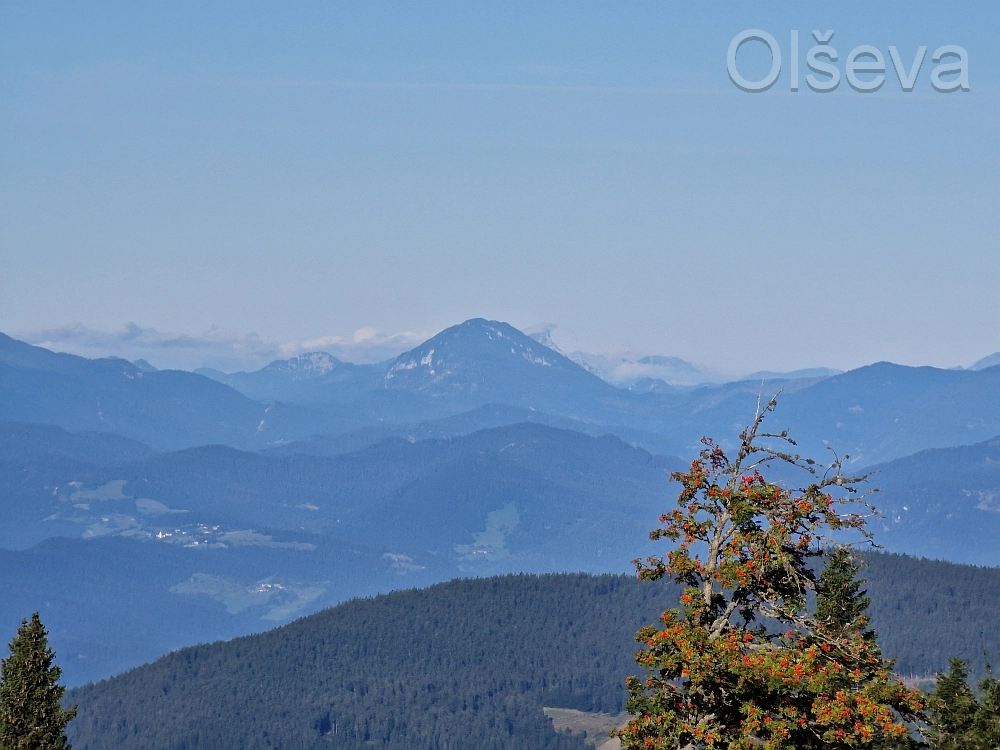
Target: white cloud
column 216, row 347
column 364, row 345
column 542, row 333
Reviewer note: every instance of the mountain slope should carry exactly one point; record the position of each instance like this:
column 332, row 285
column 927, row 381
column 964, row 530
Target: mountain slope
column 471, row 663
column 522, row 497
column 874, row 414
column 942, row 503
column 465, row 423
column 112, row 603
column 24, row 442
column 483, row 361
column 515, row 497
column 176, row 545
column 519, row 497
column 314, row 378
column 467, row 664
column 165, row 409
column 991, row 361
column 886, row 411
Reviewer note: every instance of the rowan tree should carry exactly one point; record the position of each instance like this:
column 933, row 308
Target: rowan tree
column 744, row 662
column 31, row 717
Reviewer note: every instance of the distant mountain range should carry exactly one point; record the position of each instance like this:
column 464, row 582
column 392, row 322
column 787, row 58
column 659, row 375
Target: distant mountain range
column 482, row 418
column 249, row 539
column 874, row 413
column 28, row 442
column 885, row 411
column 166, row 408
column 625, row 371
column 253, row 498
column 657, row 373
column 810, row 372
column 991, row 361
column 942, row 503
column 557, row 497
column 315, row 378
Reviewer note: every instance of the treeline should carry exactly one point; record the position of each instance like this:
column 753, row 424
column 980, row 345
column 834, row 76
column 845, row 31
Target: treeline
column 470, row 663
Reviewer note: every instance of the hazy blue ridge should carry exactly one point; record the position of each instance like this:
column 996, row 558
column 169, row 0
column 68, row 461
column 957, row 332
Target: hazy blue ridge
column 21, row 441
column 941, row 503
column 524, row 497
column 874, row 414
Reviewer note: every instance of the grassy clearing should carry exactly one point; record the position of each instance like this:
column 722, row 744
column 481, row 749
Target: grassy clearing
column 593, row 726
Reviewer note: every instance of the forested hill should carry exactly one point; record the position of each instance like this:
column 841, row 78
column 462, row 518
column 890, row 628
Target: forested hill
column 470, row 663
column 464, row 664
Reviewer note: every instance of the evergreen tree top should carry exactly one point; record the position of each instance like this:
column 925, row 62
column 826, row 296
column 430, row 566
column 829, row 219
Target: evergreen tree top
column 31, row 717
column 841, row 602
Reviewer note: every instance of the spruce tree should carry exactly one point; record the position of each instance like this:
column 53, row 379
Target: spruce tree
column 959, row 720
column 987, row 722
column 953, row 708
column 841, row 610
column 31, row 717
column 840, row 601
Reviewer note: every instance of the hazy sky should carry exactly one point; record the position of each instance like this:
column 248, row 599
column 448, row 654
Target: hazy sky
column 240, row 179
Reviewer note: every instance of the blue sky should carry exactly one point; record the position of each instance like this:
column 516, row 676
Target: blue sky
column 240, row 180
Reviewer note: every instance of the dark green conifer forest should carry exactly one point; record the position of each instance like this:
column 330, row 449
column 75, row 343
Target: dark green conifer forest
column 471, row 663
